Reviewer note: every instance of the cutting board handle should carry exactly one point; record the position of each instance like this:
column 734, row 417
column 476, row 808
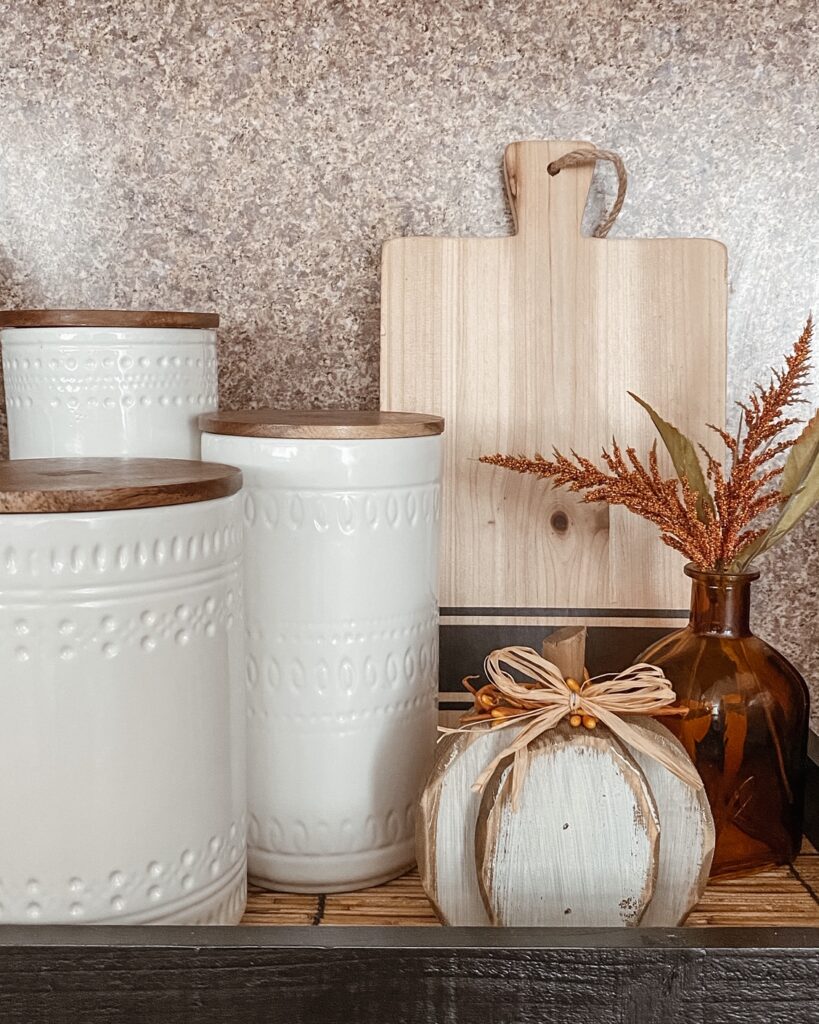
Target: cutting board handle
column 543, row 204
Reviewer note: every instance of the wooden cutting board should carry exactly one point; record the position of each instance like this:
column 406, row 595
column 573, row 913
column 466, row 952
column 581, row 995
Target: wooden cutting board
column 531, row 341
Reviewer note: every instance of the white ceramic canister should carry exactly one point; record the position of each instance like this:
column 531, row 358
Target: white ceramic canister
column 122, row 757
column 107, row 382
column 341, row 515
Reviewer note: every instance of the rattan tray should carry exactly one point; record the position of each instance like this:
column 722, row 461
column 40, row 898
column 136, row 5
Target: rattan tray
column 781, row 897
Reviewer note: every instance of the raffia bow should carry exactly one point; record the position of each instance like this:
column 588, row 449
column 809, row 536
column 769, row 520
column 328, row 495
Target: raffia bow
column 548, row 698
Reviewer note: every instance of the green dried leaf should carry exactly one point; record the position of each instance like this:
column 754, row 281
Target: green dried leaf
column 803, row 452
column 684, row 456
column 748, row 554
column 804, row 495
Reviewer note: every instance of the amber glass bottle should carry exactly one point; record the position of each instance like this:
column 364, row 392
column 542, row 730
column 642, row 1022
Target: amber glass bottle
column 747, row 725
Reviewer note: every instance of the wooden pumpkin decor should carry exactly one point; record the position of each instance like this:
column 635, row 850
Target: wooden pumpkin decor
column 547, row 808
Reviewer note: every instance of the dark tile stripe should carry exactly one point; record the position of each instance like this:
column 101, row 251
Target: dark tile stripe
column 805, row 885
column 569, row 613
column 321, row 904
column 609, row 648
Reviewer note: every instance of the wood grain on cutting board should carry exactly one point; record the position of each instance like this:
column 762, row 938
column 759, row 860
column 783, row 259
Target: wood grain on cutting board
column 531, row 341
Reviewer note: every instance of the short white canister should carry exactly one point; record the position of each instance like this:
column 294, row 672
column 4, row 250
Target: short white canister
column 122, row 756
column 341, row 514
column 107, row 382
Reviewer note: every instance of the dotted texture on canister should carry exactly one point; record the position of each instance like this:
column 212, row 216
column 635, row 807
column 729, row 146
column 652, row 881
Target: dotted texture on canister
column 341, row 532
column 83, row 390
column 122, row 736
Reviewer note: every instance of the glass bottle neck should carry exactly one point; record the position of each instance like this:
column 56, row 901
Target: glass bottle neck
column 720, row 603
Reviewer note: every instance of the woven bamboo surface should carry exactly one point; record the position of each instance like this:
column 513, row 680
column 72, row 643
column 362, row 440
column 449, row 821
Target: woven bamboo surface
column 776, row 898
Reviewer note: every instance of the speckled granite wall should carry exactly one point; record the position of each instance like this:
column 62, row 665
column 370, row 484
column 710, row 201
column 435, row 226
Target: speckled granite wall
column 250, row 156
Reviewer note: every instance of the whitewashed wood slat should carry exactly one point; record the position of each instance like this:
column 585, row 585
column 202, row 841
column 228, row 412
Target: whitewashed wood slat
column 686, row 832
column 581, row 849
column 686, row 824
column 445, row 824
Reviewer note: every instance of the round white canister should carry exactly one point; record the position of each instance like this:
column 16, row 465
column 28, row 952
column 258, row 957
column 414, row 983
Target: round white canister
column 341, row 515
column 107, row 382
column 122, row 735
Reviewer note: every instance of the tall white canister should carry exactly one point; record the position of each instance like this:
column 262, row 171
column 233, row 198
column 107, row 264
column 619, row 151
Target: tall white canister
column 107, row 382
column 122, row 755
column 341, row 514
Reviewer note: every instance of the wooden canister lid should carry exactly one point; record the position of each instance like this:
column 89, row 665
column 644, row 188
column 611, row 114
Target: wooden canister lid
column 104, row 485
column 105, row 318
column 334, row 424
